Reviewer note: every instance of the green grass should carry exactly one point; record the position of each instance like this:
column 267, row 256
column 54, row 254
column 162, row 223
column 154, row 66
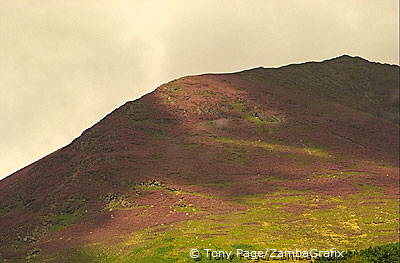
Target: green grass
column 149, row 187
column 234, row 154
column 388, row 253
column 221, row 183
column 353, row 222
column 85, row 255
column 188, row 209
column 199, row 194
column 62, row 221
column 152, row 185
column 273, row 147
column 264, row 125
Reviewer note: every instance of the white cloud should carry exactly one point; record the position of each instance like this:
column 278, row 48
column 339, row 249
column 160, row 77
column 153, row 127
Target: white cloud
column 65, row 64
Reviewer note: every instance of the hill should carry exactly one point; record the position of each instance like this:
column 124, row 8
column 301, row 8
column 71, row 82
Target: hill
column 303, row 156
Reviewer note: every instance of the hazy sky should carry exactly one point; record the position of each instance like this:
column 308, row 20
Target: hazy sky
column 66, row 64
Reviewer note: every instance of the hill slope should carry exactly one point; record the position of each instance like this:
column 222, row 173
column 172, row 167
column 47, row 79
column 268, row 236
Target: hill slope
column 301, row 156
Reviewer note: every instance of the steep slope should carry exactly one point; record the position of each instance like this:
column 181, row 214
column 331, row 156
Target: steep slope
column 300, row 140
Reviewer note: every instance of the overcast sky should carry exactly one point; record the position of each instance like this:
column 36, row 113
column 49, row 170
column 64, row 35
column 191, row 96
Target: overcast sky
column 66, row 64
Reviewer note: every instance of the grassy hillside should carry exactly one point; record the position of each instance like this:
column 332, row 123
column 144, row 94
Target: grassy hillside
column 301, row 157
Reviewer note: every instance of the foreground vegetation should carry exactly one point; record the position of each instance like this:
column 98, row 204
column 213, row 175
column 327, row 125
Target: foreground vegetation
column 269, row 222
column 388, row 253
